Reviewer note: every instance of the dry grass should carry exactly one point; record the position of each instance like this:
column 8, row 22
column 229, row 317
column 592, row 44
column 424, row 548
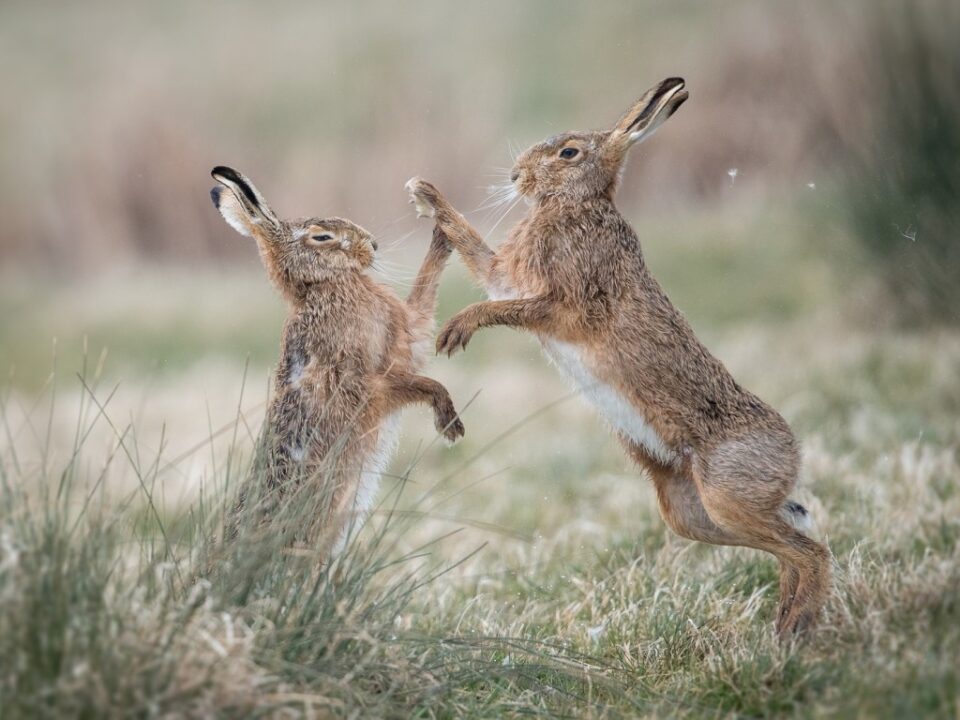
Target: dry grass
column 524, row 571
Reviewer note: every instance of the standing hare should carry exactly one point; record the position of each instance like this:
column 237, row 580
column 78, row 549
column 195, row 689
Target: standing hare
column 350, row 354
column 572, row 272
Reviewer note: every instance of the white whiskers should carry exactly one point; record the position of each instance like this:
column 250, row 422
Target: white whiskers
column 386, row 247
column 497, row 196
column 395, row 274
column 501, row 198
column 514, row 150
column 511, row 206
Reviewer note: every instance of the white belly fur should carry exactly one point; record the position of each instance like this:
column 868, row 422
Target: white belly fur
column 610, row 403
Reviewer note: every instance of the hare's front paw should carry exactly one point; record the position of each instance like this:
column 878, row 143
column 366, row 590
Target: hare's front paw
column 448, row 422
column 423, row 197
column 456, row 334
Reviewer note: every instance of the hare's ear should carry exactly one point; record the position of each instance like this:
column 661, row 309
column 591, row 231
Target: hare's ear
column 240, row 203
column 648, row 113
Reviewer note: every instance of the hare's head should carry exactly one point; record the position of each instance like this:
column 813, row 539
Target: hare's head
column 579, row 165
column 297, row 252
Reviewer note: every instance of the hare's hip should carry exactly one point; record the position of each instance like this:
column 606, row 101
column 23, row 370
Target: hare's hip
column 763, row 463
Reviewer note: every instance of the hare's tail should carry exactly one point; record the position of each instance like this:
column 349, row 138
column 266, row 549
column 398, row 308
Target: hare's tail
column 797, row 515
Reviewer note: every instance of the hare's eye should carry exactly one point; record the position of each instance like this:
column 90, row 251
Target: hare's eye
column 322, row 238
column 568, row 153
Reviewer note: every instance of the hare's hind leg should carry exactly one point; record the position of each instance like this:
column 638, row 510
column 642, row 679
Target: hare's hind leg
column 743, row 486
column 804, row 563
column 678, row 499
column 683, row 511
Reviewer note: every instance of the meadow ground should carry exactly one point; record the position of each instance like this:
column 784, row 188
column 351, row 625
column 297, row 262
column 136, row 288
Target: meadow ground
column 524, row 571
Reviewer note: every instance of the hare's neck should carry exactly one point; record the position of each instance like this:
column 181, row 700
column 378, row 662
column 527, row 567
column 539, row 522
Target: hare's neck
column 559, row 205
column 338, row 285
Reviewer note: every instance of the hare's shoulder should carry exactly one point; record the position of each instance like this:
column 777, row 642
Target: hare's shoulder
column 386, row 305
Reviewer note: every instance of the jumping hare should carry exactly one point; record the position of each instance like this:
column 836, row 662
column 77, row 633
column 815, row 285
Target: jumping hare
column 573, row 273
column 350, row 354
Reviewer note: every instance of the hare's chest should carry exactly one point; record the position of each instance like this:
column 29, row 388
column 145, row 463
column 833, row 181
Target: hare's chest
column 294, row 363
column 525, row 267
column 616, row 409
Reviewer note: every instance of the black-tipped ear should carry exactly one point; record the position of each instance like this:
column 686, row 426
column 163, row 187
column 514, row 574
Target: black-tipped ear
column 651, row 104
column 229, row 176
column 245, row 193
column 649, row 112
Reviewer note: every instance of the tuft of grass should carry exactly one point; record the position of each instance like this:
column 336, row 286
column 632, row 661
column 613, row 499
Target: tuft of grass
column 116, row 601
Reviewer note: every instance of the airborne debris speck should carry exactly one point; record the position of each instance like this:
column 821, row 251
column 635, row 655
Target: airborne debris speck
column 732, row 174
column 910, row 233
column 597, row 631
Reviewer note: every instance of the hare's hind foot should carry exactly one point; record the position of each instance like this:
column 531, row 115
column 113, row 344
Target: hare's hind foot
column 789, row 582
column 811, row 575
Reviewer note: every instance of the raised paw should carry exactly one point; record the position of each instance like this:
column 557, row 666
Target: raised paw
column 455, row 335
column 448, row 423
column 423, row 196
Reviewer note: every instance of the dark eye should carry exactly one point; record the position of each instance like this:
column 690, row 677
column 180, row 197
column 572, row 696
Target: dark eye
column 322, row 238
column 568, row 153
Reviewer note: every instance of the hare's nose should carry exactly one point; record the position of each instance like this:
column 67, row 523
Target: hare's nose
column 514, row 175
column 374, row 243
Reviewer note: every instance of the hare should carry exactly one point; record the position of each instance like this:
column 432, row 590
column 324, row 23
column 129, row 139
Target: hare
column 350, row 354
column 572, row 272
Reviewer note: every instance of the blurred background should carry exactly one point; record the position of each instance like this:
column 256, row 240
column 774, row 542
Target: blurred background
column 801, row 208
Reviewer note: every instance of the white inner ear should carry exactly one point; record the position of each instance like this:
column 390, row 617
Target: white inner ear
column 233, row 212
column 639, row 136
column 659, row 116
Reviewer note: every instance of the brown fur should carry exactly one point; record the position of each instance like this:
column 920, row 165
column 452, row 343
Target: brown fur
column 572, row 272
column 351, row 349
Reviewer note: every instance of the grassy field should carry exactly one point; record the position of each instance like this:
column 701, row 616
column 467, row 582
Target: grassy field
column 524, row 571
